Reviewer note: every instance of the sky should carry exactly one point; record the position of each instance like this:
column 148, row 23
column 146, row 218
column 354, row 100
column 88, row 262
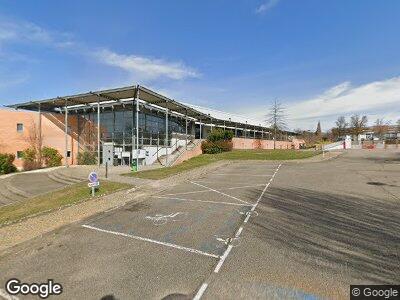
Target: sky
column 320, row 59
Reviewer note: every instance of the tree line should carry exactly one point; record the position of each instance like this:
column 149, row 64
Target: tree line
column 359, row 124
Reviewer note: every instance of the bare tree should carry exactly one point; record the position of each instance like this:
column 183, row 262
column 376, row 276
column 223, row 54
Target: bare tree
column 276, row 118
column 35, row 140
column 341, row 126
column 358, row 124
column 381, row 127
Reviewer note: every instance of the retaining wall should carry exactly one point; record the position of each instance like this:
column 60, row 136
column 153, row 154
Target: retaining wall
column 196, row 151
column 241, row 143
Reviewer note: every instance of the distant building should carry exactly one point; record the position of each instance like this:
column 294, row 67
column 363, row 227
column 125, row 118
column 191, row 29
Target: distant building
column 370, row 134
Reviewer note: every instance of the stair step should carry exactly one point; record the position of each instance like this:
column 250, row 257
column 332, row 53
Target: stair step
column 61, row 178
column 16, row 191
column 70, row 177
column 57, row 179
column 6, row 197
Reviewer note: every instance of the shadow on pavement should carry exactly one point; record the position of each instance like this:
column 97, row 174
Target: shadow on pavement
column 336, row 231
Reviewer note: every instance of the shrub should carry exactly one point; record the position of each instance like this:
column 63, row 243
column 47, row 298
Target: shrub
column 87, row 158
column 6, row 163
column 30, row 159
column 208, row 147
column 51, row 156
column 219, row 135
column 218, row 141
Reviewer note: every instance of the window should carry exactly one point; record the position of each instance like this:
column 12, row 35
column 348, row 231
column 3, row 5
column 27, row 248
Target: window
column 20, row 154
column 20, row 127
column 68, row 153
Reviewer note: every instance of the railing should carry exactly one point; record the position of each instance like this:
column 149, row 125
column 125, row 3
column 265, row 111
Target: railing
column 174, row 147
column 332, row 146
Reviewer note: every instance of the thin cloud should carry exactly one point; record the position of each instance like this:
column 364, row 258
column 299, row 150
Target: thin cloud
column 269, row 4
column 18, row 31
column 7, row 81
column 377, row 99
column 144, row 67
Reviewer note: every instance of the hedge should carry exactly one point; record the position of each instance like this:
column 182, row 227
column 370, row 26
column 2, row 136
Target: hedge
column 208, row 147
column 220, row 135
column 51, row 156
column 6, row 163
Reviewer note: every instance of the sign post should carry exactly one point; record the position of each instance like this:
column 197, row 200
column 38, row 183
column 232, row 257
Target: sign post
column 93, row 181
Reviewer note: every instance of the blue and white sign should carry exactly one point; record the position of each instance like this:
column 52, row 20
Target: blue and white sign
column 93, row 181
column 93, row 177
column 93, row 184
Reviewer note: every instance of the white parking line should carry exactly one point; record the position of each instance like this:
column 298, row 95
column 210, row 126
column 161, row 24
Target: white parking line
column 243, row 175
column 201, row 291
column 205, row 201
column 219, row 192
column 204, row 191
column 228, row 250
column 191, row 250
column 207, row 191
column 186, row 193
column 222, row 259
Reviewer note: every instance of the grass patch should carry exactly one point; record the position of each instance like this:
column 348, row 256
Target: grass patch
column 206, row 159
column 67, row 196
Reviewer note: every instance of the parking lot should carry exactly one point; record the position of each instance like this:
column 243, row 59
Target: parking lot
column 246, row 230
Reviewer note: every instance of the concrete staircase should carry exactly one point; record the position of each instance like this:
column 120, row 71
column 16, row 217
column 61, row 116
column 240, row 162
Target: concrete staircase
column 174, row 155
column 10, row 194
column 62, row 177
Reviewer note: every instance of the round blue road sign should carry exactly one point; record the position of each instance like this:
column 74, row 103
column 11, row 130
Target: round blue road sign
column 93, row 177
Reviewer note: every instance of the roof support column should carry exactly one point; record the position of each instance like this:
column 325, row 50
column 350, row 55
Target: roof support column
column 186, row 130
column 166, row 134
column 254, row 132
column 137, row 128
column 66, row 135
column 235, row 130
column 210, row 125
column 98, row 133
column 200, row 129
column 40, row 133
column 79, row 133
column 133, row 146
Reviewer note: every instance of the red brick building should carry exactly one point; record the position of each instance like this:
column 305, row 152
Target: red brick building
column 17, row 127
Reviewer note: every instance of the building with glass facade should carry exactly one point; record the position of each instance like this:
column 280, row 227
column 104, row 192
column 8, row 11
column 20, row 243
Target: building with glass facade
column 129, row 124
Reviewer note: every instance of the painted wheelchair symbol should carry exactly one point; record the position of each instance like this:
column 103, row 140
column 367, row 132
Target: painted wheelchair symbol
column 249, row 212
column 159, row 219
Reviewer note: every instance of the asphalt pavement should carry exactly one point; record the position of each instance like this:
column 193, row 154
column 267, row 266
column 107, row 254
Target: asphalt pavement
column 247, row 230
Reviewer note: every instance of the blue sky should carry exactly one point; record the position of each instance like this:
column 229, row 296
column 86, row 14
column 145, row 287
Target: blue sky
column 320, row 58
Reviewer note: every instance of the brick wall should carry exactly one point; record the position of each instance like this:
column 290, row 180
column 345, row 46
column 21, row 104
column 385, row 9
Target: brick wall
column 12, row 141
column 241, row 143
column 196, row 151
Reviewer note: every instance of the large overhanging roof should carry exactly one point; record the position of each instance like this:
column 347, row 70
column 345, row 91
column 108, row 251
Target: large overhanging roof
column 126, row 94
